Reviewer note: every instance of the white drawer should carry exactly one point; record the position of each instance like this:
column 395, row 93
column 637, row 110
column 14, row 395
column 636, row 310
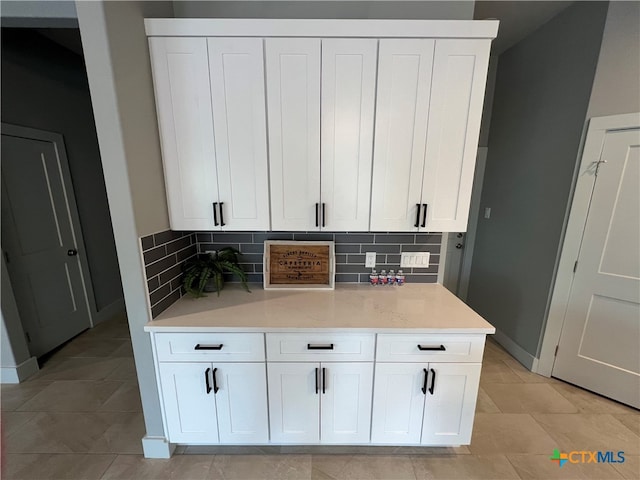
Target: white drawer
column 219, row 347
column 318, row 347
column 430, row 348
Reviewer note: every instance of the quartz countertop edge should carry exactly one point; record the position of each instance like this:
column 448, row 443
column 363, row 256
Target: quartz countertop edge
column 355, row 308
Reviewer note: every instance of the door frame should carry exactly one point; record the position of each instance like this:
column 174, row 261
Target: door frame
column 578, row 213
column 72, row 208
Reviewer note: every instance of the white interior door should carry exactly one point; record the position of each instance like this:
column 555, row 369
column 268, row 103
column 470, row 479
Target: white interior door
column 240, row 125
column 39, row 242
column 293, row 106
column 598, row 348
column 348, row 100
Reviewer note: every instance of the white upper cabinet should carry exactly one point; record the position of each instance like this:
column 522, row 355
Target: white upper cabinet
column 239, row 120
column 457, row 93
column 183, row 100
column 402, row 111
column 211, row 111
column 348, row 105
column 293, row 101
column 429, row 107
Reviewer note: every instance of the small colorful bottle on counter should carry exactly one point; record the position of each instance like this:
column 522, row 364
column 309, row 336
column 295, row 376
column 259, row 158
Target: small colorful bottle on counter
column 373, row 277
column 391, row 278
column 382, row 278
column 400, row 278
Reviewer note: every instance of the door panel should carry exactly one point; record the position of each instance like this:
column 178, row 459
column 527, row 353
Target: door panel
column 346, row 402
column 190, row 411
column 457, row 94
column 242, row 402
column 398, row 403
column 36, row 235
column 293, row 100
column 348, row 99
column 598, row 348
column 402, row 110
column 239, row 117
column 294, row 404
column 183, row 100
column 449, row 410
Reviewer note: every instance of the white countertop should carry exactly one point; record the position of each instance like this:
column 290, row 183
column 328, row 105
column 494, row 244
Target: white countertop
column 429, row 308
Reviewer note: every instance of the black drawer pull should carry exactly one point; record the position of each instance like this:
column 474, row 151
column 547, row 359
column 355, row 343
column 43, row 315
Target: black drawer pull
column 317, row 214
column 222, row 224
column 433, row 381
column 417, row 224
column 424, row 215
column 422, row 348
column 206, row 380
column 316, row 380
column 424, row 383
column 319, row 347
column 208, row 347
column 324, row 380
column 215, row 383
column 215, row 214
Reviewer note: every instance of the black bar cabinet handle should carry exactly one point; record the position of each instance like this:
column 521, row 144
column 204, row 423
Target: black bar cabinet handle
column 417, row 216
column 319, row 347
column 215, row 382
column 424, row 215
column 324, row 380
column 222, row 215
column 206, row 380
column 441, row 348
column 317, row 213
column 324, row 216
column 208, row 347
column 433, row 381
column 424, row 383
column 316, row 380
column 215, row 213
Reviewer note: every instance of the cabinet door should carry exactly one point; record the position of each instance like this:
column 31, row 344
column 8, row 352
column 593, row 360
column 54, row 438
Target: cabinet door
column 348, row 99
column 457, row 93
column 398, row 403
column 293, row 99
column 183, row 101
column 404, row 83
column 189, row 409
column 449, row 411
column 239, row 118
column 346, row 402
column 241, row 401
column 294, row 405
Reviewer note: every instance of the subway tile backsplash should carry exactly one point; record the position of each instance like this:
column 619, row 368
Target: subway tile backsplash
column 165, row 252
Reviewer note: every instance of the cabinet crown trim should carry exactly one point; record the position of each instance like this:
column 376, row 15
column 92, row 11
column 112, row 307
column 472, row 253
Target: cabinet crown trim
column 209, row 27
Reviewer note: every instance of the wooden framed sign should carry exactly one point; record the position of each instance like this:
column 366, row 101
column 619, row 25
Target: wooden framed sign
column 299, row 265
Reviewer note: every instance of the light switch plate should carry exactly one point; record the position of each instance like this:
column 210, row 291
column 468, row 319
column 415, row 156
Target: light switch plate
column 415, row 259
column 370, row 261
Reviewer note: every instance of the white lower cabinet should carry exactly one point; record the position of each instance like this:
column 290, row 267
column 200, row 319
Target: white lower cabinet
column 320, row 402
column 215, row 402
column 424, row 403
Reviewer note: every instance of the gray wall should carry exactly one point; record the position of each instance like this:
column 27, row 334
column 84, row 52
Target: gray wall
column 434, row 10
column 616, row 87
column 542, row 92
column 44, row 86
column 119, row 72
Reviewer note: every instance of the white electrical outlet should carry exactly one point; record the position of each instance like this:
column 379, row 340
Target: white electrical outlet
column 415, row 259
column 487, row 212
column 370, row 261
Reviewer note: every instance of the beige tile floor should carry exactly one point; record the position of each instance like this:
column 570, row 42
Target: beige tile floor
column 80, row 418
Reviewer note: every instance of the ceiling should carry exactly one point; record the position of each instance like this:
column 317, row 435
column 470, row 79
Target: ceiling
column 517, row 19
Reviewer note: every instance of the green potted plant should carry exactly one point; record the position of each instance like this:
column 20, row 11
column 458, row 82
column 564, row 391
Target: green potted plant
column 205, row 272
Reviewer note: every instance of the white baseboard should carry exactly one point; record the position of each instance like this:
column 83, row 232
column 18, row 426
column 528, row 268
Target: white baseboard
column 519, row 353
column 20, row 372
column 157, row 447
column 109, row 311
